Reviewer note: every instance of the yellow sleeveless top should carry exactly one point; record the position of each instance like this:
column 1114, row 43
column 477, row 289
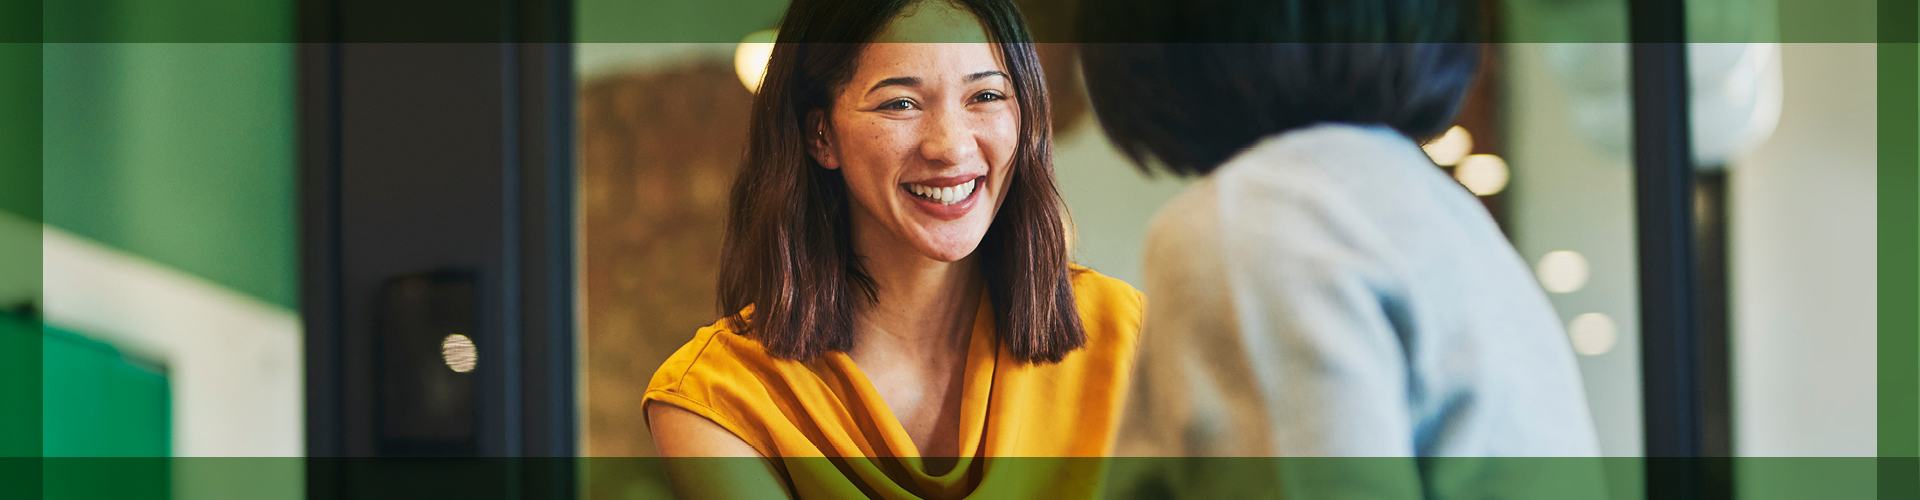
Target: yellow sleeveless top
column 831, row 436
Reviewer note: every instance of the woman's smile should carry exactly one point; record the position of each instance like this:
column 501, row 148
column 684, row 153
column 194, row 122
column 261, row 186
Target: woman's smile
column 945, row 198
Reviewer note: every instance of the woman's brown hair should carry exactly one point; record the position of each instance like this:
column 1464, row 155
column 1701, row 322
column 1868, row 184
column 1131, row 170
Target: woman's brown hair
column 789, row 248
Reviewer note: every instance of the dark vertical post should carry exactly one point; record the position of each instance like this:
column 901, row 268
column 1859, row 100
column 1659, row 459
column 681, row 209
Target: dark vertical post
column 1716, row 355
column 546, row 168
column 438, row 146
column 318, row 88
column 1671, row 350
column 319, row 115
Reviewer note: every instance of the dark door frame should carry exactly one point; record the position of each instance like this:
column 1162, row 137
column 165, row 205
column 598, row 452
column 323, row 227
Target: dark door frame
column 1683, row 335
column 435, row 135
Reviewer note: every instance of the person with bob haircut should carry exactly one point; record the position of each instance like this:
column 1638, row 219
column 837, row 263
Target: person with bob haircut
column 900, row 305
column 1323, row 289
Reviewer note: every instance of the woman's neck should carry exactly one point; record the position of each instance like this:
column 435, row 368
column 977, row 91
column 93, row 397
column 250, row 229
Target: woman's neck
column 912, row 341
column 924, row 308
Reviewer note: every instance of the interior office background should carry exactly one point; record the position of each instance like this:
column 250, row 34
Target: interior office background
column 167, row 236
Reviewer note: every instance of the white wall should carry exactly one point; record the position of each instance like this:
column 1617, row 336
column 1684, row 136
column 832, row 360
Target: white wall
column 1802, row 238
column 234, row 360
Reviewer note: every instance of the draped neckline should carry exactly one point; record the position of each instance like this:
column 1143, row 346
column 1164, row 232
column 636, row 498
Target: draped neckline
column 975, row 392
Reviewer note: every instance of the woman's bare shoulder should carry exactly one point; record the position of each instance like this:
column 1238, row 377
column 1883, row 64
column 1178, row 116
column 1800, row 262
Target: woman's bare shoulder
column 679, row 432
column 705, row 460
column 713, row 382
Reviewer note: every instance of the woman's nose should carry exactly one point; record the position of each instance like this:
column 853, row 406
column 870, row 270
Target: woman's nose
column 950, row 140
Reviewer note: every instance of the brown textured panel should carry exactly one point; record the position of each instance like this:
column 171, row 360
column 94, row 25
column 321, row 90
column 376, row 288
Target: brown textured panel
column 658, row 152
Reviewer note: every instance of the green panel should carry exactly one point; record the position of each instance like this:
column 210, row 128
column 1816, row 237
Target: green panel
column 1564, row 21
column 1782, row 478
column 19, row 388
column 1898, row 253
column 240, row 478
column 18, row 22
column 717, row 21
column 20, row 130
column 1799, row 21
column 725, row 21
column 97, row 478
column 181, row 153
column 1828, row 21
column 1733, row 21
column 101, row 403
column 1898, row 262
column 251, row 21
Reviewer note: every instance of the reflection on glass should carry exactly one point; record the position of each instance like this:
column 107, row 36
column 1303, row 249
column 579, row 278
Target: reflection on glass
column 1593, row 334
column 1483, row 174
column 1562, row 271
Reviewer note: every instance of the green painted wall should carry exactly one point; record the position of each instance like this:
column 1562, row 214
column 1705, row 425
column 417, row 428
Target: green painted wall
column 181, row 153
column 20, row 258
column 19, row 387
column 99, row 402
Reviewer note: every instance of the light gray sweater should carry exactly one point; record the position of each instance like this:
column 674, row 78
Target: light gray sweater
column 1331, row 293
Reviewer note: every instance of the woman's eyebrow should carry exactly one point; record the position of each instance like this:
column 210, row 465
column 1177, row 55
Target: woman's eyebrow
column 910, row 81
column 904, row 81
column 977, row 76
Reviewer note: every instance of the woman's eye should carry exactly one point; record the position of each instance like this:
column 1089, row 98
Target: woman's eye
column 898, row 105
column 988, row 96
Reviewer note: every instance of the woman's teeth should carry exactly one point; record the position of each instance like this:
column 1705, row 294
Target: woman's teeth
column 944, row 195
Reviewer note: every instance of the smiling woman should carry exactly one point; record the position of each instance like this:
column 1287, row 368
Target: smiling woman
column 899, row 301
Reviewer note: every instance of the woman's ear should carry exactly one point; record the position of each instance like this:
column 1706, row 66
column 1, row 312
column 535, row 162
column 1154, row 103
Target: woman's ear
column 817, row 143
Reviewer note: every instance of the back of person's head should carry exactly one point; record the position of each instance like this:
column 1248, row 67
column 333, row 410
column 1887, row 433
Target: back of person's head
column 1189, row 84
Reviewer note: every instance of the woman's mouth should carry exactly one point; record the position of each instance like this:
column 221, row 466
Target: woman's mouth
column 943, row 195
column 946, row 198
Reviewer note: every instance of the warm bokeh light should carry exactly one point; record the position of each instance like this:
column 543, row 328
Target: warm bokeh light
column 1562, row 271
column 1483, row 174
column 459, row 353
column 750, row 60
column 1450, row 148
column 1593, row 334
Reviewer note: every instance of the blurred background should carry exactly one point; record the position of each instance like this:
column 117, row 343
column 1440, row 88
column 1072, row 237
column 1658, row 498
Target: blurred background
column 181, row 302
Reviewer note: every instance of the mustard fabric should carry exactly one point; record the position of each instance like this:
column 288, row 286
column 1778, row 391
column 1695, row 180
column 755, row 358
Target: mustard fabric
column 831, row 436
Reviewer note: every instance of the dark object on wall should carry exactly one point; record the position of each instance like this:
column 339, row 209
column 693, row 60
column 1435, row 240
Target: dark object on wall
column 427, row 364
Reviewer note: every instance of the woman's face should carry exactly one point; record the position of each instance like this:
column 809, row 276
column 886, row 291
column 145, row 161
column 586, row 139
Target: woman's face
column 924, row 134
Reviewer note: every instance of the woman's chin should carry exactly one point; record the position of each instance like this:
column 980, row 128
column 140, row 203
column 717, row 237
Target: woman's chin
column 946, row 240
column 951, row 248
column 948, row 254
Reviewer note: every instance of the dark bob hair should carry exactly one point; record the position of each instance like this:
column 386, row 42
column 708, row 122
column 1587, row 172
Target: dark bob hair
column 1268, row 66
column 789, row 247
